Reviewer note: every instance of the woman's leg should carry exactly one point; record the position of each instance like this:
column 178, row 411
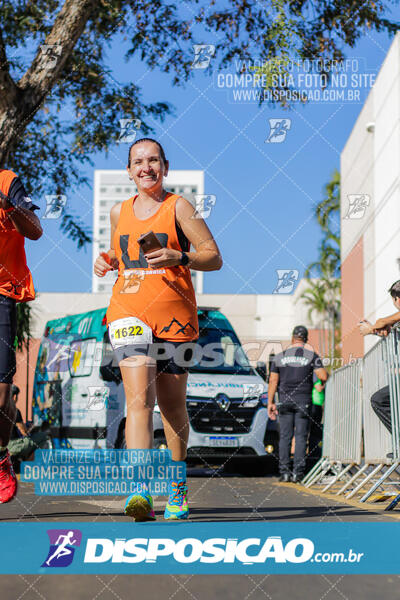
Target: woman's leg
column 139, row 378
column 171, row 399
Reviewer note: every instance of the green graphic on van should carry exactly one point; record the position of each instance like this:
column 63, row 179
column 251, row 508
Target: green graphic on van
column 78, row 390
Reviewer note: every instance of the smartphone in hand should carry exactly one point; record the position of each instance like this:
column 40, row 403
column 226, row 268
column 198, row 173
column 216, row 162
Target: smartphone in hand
column 149, row 242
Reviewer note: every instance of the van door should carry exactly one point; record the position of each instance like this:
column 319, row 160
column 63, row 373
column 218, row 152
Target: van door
column 85, row 399
column 110, row 378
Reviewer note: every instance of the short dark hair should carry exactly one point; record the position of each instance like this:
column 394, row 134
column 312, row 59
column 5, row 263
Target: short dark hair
column 15, row 390
column 394, row 290
column 162, row 153
column 300, row 332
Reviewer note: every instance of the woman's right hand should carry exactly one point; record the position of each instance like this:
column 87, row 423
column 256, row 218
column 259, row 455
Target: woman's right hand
column 103, row 264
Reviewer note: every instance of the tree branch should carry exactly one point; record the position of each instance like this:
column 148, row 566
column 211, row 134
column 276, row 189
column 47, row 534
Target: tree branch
column 49, row 61
column 8, row 89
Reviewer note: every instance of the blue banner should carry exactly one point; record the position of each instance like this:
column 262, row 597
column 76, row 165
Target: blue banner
column 213, row 548
column 102, row 472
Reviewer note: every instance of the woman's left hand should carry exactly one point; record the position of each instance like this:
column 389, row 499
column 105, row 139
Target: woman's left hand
column 165, row 257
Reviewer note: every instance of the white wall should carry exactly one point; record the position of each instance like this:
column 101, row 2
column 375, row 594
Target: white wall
column 370, row 164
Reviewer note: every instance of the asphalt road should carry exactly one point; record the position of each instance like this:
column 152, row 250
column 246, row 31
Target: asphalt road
column 214, row 496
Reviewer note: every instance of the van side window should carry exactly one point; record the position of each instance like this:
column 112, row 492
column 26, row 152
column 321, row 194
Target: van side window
column 81, row 357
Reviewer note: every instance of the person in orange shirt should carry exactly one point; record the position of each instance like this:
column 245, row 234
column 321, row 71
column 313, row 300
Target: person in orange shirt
column 17, row 221
column 153, row 312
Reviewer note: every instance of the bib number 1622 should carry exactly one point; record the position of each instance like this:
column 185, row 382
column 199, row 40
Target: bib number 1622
column 124, row 332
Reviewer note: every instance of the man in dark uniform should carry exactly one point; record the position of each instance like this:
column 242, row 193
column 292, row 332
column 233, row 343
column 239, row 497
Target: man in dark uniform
column 292, row 376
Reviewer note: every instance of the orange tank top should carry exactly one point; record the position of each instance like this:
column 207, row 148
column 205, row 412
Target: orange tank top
column 163, row 298
column 15, row 277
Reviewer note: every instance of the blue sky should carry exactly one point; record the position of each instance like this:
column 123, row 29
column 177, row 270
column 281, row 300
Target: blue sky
column 265, row 192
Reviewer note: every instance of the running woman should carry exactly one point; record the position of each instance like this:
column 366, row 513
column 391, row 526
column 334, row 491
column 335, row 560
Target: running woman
column 153, row 304
column 17, row 222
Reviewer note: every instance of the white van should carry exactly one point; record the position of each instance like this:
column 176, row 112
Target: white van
column 78, row 390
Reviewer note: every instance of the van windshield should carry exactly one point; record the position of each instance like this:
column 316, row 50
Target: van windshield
column 220, row 351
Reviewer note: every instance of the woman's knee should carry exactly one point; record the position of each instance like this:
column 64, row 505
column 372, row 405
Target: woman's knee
column 140, row 404
column 173, row 410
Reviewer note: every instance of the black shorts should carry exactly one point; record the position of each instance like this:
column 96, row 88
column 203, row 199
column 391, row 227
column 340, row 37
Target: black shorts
column 8, row 328
column 176, row 360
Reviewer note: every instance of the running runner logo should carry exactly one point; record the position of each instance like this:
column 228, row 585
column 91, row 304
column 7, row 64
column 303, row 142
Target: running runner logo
column 98, row 397
column 202, row 55
column 53, row 52
column 63, row 543
column 358, row 204
column 278, row 130
column 252, row 390
column 286, row 281
column 132, row 281
column 203, row 205
column 128, row 130
column 55, row 206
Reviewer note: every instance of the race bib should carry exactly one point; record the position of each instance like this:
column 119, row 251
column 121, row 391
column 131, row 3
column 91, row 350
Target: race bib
column 130, row 330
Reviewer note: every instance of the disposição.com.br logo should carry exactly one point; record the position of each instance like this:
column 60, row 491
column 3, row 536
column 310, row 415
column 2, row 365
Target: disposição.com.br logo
column 62, row 547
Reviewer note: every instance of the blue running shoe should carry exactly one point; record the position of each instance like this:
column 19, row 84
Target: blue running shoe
column 140, row 507
column 177, row 505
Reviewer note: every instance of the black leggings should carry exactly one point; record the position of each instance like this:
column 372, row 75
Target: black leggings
column 380, row 402
column 8, row 327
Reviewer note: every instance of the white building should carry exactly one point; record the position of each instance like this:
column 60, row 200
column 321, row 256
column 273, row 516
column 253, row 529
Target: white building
column 112, row 186
column 370, row 207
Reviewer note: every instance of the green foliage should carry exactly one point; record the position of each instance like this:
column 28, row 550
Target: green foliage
column 308, row 30
column 74, row 112
column 323, row 294
column 327, row 213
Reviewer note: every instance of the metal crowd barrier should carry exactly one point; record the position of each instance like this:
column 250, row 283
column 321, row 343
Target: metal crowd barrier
column 342, row 437
column 351, row 425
